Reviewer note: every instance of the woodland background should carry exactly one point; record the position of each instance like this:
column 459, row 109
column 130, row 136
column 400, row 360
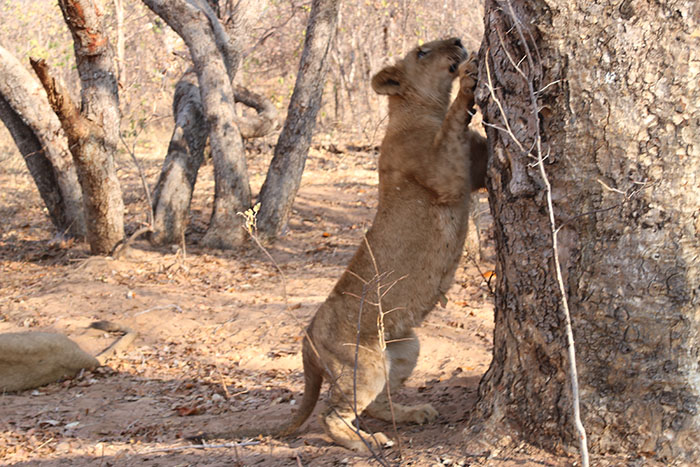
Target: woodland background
column 371, row 34
column 215, row 344
column 592, row 121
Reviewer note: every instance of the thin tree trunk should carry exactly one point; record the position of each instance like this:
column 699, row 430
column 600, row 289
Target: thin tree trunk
column 173, row 191
column 620, row 137
column 92, row 131
column 39, row 166
column 214, row 60
column 119, row 14
column 40, row 139
column 284, row 176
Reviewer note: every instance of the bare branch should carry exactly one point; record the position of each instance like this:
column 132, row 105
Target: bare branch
column 357, row 277
column 73, row 124
column 250, row 228
column 489, row 85
column 560, row 280
column 264, row 122
column 382, row 342
column 201, row 446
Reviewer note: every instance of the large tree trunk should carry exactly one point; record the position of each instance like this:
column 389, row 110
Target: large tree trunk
column 92, row 131
column 284, row 176
column 40, row 139
column 215, row 61
column 619, row 120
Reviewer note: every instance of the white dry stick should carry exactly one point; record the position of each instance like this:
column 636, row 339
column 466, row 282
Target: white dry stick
column 382, row 340
column 201, row 446
column 553, row 226
column 565, row 306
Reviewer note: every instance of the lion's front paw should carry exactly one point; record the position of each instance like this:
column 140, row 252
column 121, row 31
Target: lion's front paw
column 379, row 439
column 468, row 72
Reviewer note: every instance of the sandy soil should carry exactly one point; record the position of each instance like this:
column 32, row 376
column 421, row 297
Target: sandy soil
column 217, row 348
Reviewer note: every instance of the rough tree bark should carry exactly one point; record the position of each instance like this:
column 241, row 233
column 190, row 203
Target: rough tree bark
column 284, row 176
column 173, row 191
column 619, row 113
column 92, row 131
column 40, row 139
column 215, row 61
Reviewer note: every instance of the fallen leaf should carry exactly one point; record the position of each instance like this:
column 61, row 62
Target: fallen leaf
column 488, row 274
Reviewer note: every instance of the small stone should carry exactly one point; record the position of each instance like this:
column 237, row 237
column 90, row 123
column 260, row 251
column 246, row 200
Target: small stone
column 63, row 447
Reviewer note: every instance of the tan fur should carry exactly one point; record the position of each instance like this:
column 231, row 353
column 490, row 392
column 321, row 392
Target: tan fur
column 32, row 359
column 416, row 240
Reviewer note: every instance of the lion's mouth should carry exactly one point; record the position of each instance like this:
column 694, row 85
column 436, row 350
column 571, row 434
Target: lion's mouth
column 459, row 56
column 456, row 61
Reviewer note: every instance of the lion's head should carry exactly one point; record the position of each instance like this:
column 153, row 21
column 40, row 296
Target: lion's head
column 425, row 74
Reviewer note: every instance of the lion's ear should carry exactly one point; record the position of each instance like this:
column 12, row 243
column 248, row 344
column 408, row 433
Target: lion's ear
column 388, row 81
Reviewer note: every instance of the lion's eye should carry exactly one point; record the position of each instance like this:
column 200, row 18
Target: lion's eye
column 422, row 53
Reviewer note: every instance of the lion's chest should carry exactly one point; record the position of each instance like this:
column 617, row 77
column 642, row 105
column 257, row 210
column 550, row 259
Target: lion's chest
column 422, row 243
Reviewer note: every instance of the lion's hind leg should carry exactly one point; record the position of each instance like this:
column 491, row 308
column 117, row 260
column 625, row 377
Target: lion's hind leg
column 402, row 355
column 351, row 393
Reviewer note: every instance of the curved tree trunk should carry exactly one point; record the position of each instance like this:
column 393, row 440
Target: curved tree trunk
column 255, row 126
column 40, row 139
column 284, row 176
column 618, row 107
column 40, row 168
column 92, row 131
column 215, row 62
column 173, row 191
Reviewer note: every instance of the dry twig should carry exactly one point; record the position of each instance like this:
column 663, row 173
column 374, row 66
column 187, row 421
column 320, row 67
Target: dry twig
column 382, row 340
column 250, row 225
column 160, row 307
column 202, row 446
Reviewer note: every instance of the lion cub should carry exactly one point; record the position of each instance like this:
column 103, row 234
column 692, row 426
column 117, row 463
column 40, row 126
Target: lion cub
column 408, row 259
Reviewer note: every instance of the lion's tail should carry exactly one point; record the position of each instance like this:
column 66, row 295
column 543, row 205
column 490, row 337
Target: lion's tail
column 313, row 378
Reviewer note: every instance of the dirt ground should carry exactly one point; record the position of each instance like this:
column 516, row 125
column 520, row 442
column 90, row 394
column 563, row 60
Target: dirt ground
column 217, row 348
